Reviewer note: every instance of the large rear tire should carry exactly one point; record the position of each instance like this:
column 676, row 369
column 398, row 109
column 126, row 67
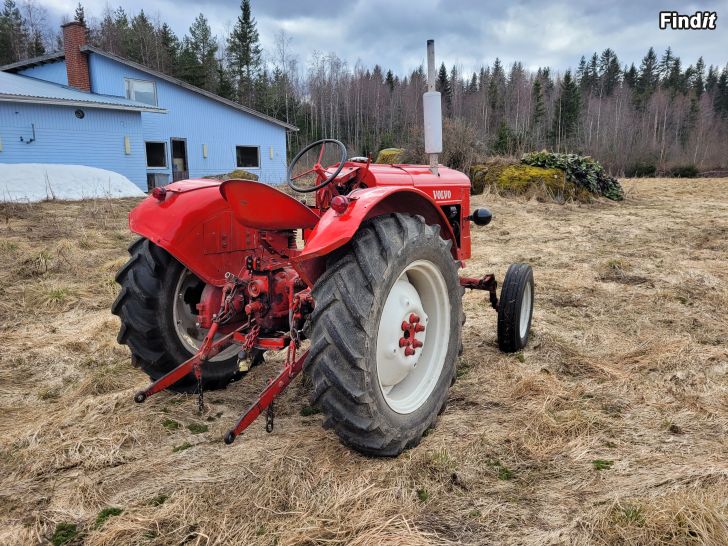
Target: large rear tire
column 379, row 393
column 154, row 287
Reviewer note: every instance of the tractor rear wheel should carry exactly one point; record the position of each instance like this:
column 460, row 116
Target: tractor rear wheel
column 156, row 306
column 386, row 333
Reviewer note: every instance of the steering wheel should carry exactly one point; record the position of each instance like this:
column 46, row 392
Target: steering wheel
column 317, row 168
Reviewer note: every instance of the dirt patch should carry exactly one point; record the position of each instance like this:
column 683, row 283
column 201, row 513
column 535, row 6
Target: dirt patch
column 610, row 428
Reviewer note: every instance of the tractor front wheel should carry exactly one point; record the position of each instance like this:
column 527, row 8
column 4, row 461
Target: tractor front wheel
column 157, row 308
column 386, row 334
column 515, row 309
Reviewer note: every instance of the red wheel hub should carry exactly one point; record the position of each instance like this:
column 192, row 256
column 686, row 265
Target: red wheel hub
column 410, row 328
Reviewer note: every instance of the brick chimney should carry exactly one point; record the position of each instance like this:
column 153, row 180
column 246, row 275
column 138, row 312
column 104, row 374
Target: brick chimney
column 74, row 36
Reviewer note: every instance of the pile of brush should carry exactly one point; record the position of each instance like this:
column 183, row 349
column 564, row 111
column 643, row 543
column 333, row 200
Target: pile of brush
column 237, row 174
column 546, row 176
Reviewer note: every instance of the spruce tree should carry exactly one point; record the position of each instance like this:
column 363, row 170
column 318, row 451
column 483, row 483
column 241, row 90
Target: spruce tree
column 538, row 114
column 170, row 49
column 496, row 87
column 473, row 84
column 244, row 54
column 442, row 83
column 225, row 87
column 122, row 31
column 566, row 118
column 630, row 76
column 674, row 80
column 80, row 15
column 711, row 80
column 539, row 109
column 697, row 83
column 720, row 101
column 581, row 72
column 647, row 79
column 141, row 43
column 503, row 144
column 609, row 71
column 389, row 80
column 663, row 69
column 13, row 34
column 204, row 47
column 189, row 68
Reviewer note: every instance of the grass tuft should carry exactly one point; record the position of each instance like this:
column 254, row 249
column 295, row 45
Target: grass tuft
column 105, row 514
column 181, row 447
column 502, row 472
column 159, row 500
column 602, row 464
column 307, row 411
column 197, row 428
column 64, row 533
column 171, row 424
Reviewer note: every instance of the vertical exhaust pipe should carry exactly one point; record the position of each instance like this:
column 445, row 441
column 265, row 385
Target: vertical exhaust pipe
column 432, row 107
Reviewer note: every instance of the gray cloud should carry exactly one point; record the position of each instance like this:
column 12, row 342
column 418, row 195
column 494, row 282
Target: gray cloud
column 469, row 33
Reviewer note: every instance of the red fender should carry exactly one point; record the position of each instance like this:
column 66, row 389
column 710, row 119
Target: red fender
column 195, row 225
column 334, row 230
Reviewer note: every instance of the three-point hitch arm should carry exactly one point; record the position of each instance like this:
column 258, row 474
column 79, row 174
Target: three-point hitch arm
column 247, row 336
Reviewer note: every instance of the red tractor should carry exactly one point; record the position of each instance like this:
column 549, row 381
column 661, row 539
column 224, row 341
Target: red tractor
column 219, row 277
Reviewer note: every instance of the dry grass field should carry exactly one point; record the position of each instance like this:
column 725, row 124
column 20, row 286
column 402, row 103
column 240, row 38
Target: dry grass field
column 610, row 428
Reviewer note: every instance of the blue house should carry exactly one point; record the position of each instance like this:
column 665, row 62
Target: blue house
column 86, row 106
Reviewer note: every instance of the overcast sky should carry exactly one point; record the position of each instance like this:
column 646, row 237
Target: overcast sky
column 469, row 33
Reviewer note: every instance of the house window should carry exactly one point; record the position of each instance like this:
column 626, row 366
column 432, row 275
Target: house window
column 156, row 155
column 141, row 91
column 247, row 157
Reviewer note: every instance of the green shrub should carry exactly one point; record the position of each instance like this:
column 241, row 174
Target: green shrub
column 684, row 171
column 389, row 156
column 237, row 174
column 581, row 170
column 640, row 169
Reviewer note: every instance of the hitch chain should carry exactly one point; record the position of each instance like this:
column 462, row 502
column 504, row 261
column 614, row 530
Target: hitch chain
column 251, row 337
column 270, row 414
column 200, row 397
column 197, row 371
column 223, row 315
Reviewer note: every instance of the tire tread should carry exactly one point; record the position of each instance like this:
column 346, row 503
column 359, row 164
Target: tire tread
column 335, row 365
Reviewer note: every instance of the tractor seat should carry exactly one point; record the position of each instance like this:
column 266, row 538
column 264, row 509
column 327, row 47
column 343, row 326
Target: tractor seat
column 260, row 206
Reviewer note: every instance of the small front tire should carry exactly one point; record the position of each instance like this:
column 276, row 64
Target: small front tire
column 515, row 308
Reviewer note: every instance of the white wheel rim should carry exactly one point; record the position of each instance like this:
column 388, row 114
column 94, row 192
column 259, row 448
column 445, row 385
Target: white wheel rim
column 409, row 370
column 185, row 320
column 525, row 311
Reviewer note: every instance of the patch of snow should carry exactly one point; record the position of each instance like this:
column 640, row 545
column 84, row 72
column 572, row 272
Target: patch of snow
column 28, row 182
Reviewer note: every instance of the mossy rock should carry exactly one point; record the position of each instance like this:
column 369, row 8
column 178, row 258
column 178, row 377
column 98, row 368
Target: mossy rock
column 388, row 156
column 488, row 173
column 237, row 174
column 526, row 180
